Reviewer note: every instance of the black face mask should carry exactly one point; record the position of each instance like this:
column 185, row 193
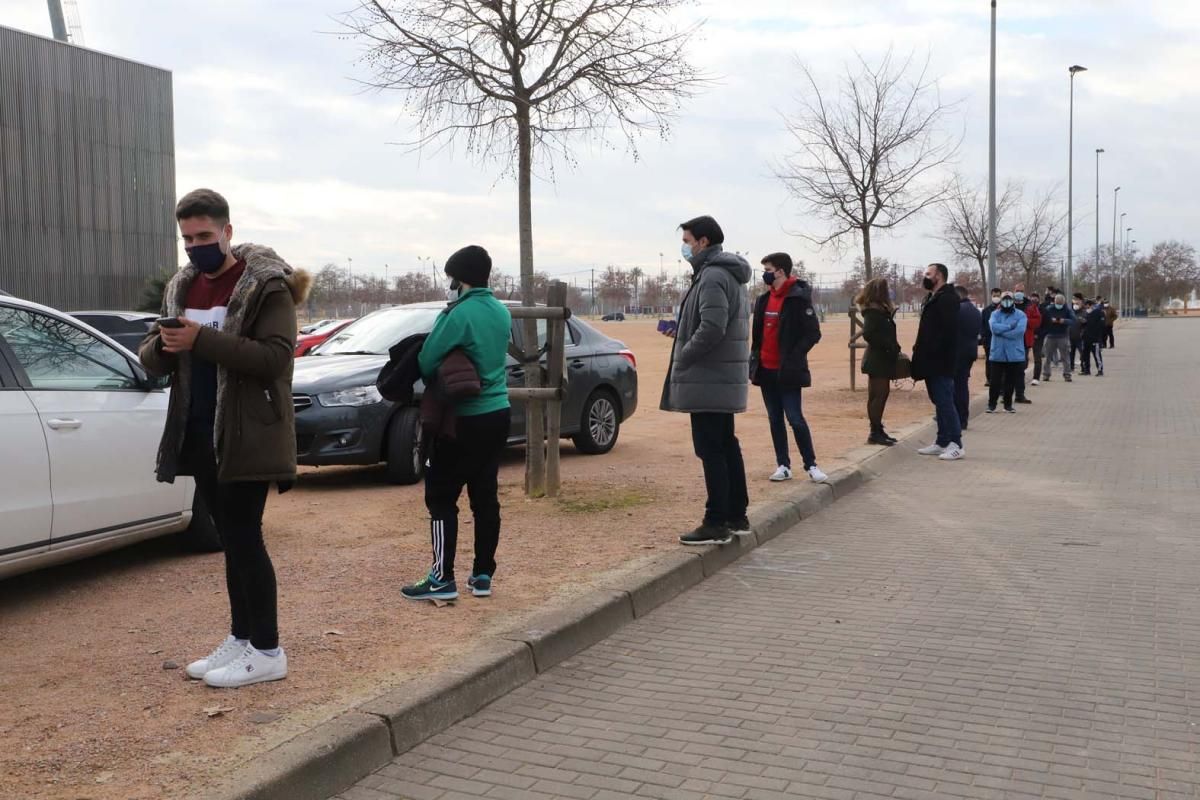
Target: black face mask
column 928, row 284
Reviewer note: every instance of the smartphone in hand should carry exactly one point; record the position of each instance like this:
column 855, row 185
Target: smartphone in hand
column 168, row 322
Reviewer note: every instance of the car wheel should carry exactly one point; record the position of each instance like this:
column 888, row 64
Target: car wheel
column 404, row 464
column 600, row 425
column 201, row 535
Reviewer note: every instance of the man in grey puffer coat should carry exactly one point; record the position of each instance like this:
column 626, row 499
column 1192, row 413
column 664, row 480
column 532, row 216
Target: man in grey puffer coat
column 709, row 375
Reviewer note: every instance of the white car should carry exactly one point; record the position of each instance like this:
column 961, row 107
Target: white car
column 80, row 423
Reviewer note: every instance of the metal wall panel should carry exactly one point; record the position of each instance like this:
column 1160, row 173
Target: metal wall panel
column 87, row 174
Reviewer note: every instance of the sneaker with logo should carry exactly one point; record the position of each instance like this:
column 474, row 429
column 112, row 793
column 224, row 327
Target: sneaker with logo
column 480, row 585
column 708, row 534
column 932, row 450
column 782, row 474
column 816, row 474
column 226, row 652
column 430, row 588
column 252, row 666
column 953, row 453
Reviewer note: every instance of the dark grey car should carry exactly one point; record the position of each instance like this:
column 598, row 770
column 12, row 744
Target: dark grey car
column 127, row 328
column 341, row 418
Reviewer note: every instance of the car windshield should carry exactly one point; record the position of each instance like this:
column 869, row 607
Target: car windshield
column 376, row 333
column 326, row 327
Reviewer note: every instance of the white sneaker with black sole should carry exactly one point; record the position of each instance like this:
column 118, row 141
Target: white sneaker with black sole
column 252, row 666
column 953, row 453
column 782, row 474
column 932, row 450
column 226, row 651
column 815, row 473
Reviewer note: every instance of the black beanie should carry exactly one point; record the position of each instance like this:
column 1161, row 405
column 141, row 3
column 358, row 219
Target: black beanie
column 470, row 265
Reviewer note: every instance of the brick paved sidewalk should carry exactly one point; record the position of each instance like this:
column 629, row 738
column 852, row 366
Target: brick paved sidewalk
column 1024, row 623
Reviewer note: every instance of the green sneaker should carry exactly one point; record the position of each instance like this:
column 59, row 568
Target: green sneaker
column 481, row 585
column 430, row 588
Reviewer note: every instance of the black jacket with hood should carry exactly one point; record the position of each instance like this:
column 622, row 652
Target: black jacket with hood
column 799, row 332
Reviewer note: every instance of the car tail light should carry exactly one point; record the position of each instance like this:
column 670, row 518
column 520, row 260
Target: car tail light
column 630, row 357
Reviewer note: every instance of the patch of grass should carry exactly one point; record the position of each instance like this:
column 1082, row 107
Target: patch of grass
column 604, row 500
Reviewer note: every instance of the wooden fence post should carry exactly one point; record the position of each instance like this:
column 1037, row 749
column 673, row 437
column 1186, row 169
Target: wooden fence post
column 555, row 357
column 855, row 345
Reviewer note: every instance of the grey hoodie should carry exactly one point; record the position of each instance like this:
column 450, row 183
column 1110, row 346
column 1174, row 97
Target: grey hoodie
column 709, row 369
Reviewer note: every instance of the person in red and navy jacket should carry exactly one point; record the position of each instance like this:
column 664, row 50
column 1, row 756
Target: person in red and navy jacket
column 784, row 329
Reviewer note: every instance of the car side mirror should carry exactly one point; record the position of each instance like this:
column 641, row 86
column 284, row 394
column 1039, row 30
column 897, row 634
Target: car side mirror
column 151, row 384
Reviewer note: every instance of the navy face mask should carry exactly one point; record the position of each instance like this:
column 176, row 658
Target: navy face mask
column 769, row 278
column 207, row 258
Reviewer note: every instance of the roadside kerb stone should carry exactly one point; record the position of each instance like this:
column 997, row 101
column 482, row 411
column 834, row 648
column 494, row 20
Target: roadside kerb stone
column 658, row 581
column 768, row 520
column 557, row 635
column 421, row 709
column 316, row 764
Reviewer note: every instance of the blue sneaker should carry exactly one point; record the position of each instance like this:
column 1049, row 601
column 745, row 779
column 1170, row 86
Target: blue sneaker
column 430, row 588
column 481, row 585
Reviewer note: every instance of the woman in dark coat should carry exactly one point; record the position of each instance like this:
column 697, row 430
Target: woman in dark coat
column 883, row 352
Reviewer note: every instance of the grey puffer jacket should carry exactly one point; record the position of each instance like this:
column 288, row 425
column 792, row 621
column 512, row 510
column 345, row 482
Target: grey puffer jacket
column 710, row 361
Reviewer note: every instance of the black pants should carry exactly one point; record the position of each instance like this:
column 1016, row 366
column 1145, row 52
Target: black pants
column 784, row 408
column 1039, row 345
column 878, row 390
column 1076, row 347
column 237, row 510
column 1021, row 380
column 962, row 392
column 1108, row 337
column 471, row 459
column 1092, row 352
column 1005, row 377
column 724, row 471
column 987, row 363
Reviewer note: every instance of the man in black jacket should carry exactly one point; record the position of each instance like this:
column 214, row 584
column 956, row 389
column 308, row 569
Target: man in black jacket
column 934, row 358
column 969, row 323
column 1094, row 333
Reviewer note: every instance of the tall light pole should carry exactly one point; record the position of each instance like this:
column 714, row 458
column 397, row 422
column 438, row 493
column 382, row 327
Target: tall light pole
column 1129, row 266
column 1112, row 261
column 992, row 283
column 1071, row 177
column 1096, row 262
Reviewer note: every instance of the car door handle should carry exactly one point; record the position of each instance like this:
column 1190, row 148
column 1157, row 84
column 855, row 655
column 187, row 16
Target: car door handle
column 64, row 424
column 578, row 364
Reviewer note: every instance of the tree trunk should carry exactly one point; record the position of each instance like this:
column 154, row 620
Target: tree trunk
column 535, row 436
column 867, row 265
column 986, row 290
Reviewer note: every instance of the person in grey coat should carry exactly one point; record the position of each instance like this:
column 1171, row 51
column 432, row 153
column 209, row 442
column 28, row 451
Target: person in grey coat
column 709, row 375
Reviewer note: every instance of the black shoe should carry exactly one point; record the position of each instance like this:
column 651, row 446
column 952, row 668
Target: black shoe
column 740, row 525
column 991, row 410
column 708, row 534
column 1085, row 372
column 1025, row 401
column 881, row 439
column 890, row 438
column 1067, row 378
column 1100, row 374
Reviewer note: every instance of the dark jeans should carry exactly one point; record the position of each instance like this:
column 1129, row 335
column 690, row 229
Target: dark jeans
column 987, row 364
column 237, row 510
column 1093, row 351
column 941, row 393
column 962, row 392
column 1039, row 345
column 724, row 471
column 1021, row 379
column 784, row 403
column 1005, row 376
column 1108, row 337
column 878, row 390
column 472, row 459
column 1076, row 347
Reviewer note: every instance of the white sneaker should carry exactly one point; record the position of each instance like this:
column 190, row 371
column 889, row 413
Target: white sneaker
column 252, row 666
column 1034, row 382
column 932, row 450
column 226, row 652
column 782, row 474
column 953, row 453
column 815, row 473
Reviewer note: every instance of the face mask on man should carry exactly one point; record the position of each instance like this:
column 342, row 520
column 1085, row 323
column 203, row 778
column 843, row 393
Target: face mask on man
column 769, row 278
column 1006, row 304
column 1076, row 306
column 1058, row 306
column 1020, row 296
column 207, row 258
column 927, row 284
column 455, row 290
column 686, row 251
column 995, row 299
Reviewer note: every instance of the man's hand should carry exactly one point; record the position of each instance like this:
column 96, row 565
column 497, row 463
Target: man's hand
column 179, row 340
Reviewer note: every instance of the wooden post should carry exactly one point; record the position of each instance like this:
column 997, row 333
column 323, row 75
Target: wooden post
column 556, row 337
column 855, row 345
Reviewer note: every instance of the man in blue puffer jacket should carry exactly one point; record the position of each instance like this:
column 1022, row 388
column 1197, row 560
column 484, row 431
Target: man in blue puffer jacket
column 1007, row 353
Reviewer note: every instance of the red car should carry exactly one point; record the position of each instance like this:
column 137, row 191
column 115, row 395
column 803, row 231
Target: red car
column 306, row 342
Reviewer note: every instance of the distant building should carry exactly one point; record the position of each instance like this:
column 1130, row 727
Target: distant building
column 87, row 161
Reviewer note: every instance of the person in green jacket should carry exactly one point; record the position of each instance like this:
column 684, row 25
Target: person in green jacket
column 480, row 325
column 883, row 351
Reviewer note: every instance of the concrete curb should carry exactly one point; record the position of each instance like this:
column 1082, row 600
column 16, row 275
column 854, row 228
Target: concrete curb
column 337, row 754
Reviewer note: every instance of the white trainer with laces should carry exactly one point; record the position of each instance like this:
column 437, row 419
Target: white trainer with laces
column 815, row 473
column 932, row 450
column 226, row 651
column 953, row 453
column 252, row 666
column 1034, row 382
column 782, row 474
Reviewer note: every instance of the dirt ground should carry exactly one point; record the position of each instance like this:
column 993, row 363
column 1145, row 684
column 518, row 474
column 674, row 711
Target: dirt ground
column 94, row 706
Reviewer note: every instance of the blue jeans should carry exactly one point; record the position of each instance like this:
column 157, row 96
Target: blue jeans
column 962, row 392
column 941, row 393
column 784, row 404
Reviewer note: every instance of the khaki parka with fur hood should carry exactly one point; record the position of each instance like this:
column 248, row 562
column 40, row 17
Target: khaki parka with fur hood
column 254, row 436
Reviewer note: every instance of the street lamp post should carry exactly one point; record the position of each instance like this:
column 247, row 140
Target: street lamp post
column 1096, row 262
column 992, row 165
column 1112, row 261
column 1071, row 177
column 1129, row 242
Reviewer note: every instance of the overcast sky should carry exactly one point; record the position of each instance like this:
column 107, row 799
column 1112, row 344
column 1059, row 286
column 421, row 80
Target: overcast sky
column 268, row 112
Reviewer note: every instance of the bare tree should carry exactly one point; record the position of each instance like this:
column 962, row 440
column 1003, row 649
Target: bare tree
column 518, row 79
column 1034, row 236
column 868, row 155
column 965, row 221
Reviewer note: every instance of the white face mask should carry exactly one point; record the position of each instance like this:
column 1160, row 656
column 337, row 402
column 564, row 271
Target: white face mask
column 454, row 292
column 686, row 251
